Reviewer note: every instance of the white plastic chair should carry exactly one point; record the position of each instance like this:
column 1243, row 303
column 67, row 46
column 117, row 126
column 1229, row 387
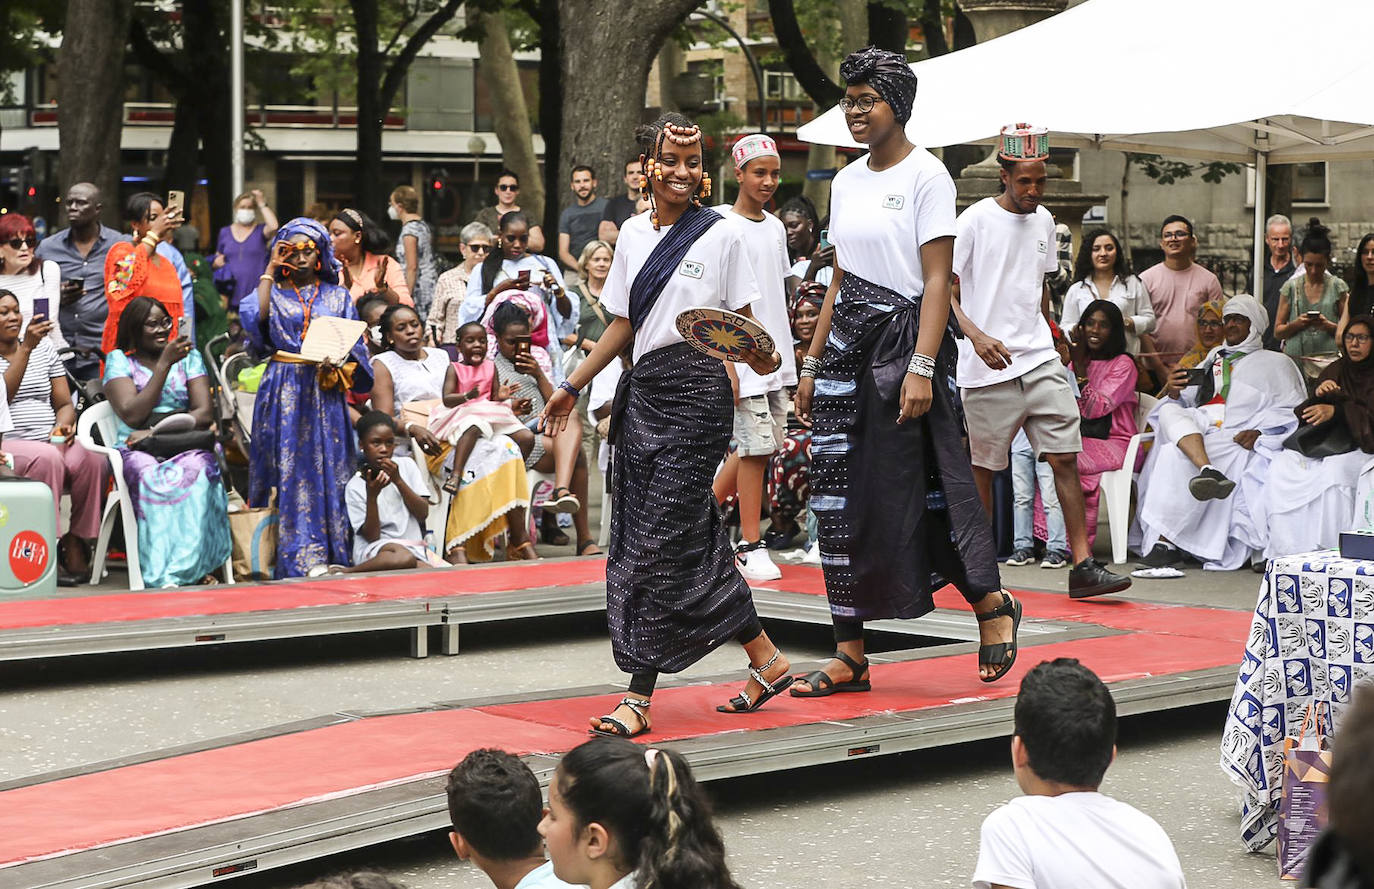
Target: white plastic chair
column 1115, row 486
column 101, row 416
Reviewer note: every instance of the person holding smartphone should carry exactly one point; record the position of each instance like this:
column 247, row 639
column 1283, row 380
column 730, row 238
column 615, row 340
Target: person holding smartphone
column 35, row 283
column 137, row 268
column 1311, row 304
column 512, row 267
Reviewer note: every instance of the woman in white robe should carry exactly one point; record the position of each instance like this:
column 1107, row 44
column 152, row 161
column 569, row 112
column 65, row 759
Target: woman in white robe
column 1242, row 414
column 1309, row 501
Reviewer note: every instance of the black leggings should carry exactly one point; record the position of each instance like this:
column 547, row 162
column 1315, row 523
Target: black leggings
column 849, row 630
column 643, row 684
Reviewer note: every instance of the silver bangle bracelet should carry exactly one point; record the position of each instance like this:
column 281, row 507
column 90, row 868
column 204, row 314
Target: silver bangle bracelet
column 806, row 373
column 811, row 363
column 922, row 366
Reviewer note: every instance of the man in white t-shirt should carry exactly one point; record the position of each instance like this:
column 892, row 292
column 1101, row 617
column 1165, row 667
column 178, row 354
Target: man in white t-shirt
column 761, row 401
column 495, row 806
column 1064, row 833
column 1009, row 372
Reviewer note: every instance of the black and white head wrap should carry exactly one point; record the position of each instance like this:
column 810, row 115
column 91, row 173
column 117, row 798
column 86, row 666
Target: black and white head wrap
column 888, row 73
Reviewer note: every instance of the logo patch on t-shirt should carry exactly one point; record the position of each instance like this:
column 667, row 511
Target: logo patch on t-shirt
column 1041, row 247
column 691, row 268
column 893, row 202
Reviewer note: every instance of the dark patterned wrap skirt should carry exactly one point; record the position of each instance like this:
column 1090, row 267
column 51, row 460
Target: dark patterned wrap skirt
column 673, row 593
column 896, row 505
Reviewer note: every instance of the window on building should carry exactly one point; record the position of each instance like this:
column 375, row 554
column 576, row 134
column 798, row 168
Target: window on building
column 1309, row 184
column 782, row 86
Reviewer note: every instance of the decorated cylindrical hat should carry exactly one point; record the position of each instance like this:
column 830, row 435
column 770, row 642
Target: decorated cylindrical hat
column 1023, row 142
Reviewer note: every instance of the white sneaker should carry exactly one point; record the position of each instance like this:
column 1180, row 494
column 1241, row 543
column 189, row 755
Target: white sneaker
column 812, row 556
column 755, row 564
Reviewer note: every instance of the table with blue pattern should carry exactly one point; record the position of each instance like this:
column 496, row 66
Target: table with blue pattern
column 1311, row 642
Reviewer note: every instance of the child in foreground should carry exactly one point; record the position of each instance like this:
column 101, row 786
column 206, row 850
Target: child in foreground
column 622, row 816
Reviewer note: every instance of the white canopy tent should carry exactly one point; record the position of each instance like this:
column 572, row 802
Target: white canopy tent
column 1215, row 80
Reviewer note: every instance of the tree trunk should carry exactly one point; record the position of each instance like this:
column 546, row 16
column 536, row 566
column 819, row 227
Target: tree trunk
column 887, row 27
column 511, row 116
column 90, row 113
column 367, row 171
column 1278, row 190
column 811, row 74
column 206, row 44
column 550, row 120
column 1124, row 226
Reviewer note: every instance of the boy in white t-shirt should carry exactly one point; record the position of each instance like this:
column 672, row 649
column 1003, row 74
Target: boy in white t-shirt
column 761, row 401
column 1009, row 372
column 1063, row 833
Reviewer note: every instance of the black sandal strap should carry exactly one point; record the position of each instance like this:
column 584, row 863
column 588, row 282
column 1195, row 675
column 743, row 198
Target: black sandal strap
column 856, row 668
column 818, row 680
column 1006, row 609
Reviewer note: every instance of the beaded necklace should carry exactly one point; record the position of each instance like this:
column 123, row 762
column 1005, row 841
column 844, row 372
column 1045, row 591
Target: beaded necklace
column 306, row 307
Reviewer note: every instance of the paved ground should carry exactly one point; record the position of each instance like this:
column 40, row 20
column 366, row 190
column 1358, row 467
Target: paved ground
column 910, row 820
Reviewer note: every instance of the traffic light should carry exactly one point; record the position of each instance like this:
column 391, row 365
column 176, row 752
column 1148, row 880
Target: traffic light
column 442, row 204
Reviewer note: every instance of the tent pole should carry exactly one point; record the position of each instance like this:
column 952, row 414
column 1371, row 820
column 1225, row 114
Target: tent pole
column 1261, row 173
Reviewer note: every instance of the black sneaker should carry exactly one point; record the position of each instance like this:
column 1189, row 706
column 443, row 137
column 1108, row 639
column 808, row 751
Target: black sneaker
column 1162, row 555
column 1210, row 484
column 1091, row 578
column 1021, row 558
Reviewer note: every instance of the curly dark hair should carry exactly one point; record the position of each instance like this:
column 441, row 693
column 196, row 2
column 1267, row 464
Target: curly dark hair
column 1083, row 264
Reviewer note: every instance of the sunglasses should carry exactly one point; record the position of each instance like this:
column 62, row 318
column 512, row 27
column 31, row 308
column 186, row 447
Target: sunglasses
column 21, row 243
column 507, row 188
column 301, row 247
column 480, row 248
column 516, row 239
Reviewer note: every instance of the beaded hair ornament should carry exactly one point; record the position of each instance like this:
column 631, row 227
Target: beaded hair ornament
column 653, row 169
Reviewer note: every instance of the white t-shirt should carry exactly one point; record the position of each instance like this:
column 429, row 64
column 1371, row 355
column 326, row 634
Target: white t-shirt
column 878, row 221
column 1001, row 259
column 824, row 274
column 714, row 273
column 395, row 521
column 542, row 878
column 765, row 243
column 1073, row 840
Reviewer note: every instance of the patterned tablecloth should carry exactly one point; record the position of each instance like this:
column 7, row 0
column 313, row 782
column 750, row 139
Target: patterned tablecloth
column 1311, row 642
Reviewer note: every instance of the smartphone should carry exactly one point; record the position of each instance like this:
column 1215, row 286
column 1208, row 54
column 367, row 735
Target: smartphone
column 40, row 307
column 523, row 278
column 1196, row 375
column 176, row 202
column 825, row 237
column 522, row 345
column 1314, row 314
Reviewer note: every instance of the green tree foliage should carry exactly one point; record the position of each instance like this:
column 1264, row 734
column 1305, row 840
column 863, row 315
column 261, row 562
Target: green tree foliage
column 1166, row 171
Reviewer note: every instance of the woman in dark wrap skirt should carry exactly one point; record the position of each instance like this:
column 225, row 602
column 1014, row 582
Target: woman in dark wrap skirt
column 891, row 483
column 673, row 593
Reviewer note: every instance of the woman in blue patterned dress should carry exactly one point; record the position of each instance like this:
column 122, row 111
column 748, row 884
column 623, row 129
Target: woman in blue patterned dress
column 303, row 444
column 179, row 501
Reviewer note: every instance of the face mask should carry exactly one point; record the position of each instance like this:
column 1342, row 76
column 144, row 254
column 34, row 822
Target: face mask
column 391, row 212
column 244, row 217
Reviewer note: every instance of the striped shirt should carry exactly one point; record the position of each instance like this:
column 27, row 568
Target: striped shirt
column 31, row 410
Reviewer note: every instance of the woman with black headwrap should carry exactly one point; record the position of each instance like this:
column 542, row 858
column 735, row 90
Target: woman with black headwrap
column 891, row 483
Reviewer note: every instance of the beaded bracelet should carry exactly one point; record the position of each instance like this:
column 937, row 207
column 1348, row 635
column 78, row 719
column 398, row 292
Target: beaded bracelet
column 570, row 388
column 811, row 363
column 921, row 366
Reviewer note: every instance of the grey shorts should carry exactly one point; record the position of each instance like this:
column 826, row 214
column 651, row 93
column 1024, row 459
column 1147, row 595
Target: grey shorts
column 761, row 423
column 1040, row 400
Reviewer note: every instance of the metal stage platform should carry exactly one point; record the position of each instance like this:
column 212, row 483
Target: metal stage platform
column 248, row 803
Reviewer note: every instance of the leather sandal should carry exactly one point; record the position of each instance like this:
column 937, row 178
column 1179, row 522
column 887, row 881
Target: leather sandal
column 741, row 702
column 1000, row 655
column 523, row 552
column 822, row 686
column 619, row 729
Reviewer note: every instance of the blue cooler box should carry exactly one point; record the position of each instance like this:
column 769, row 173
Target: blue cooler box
column 28, row 535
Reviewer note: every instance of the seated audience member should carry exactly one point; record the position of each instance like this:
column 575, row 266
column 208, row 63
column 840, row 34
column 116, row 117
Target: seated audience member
column 561, row 454
column 495, row 806
column 1101, row 273
column 1343, row 857
column 1215, row 439
column 1361, row 298
column 620, row 815
column 43, row 440
column 134, row 269
column 26, row 276
column 475, row 243
column 1064, row 832
column 512, row 266
column 1312, row 303
column 451, row 419
column 1107, row 398
column 386, row 504
column 1210, row 334
column 183, row 522
column 361, row 249
column 1309, row 495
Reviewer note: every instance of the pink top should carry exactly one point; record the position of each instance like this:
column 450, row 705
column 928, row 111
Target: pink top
column 395, row 277
column 479, row 375
column 1111, row 391
column 1176, row 297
